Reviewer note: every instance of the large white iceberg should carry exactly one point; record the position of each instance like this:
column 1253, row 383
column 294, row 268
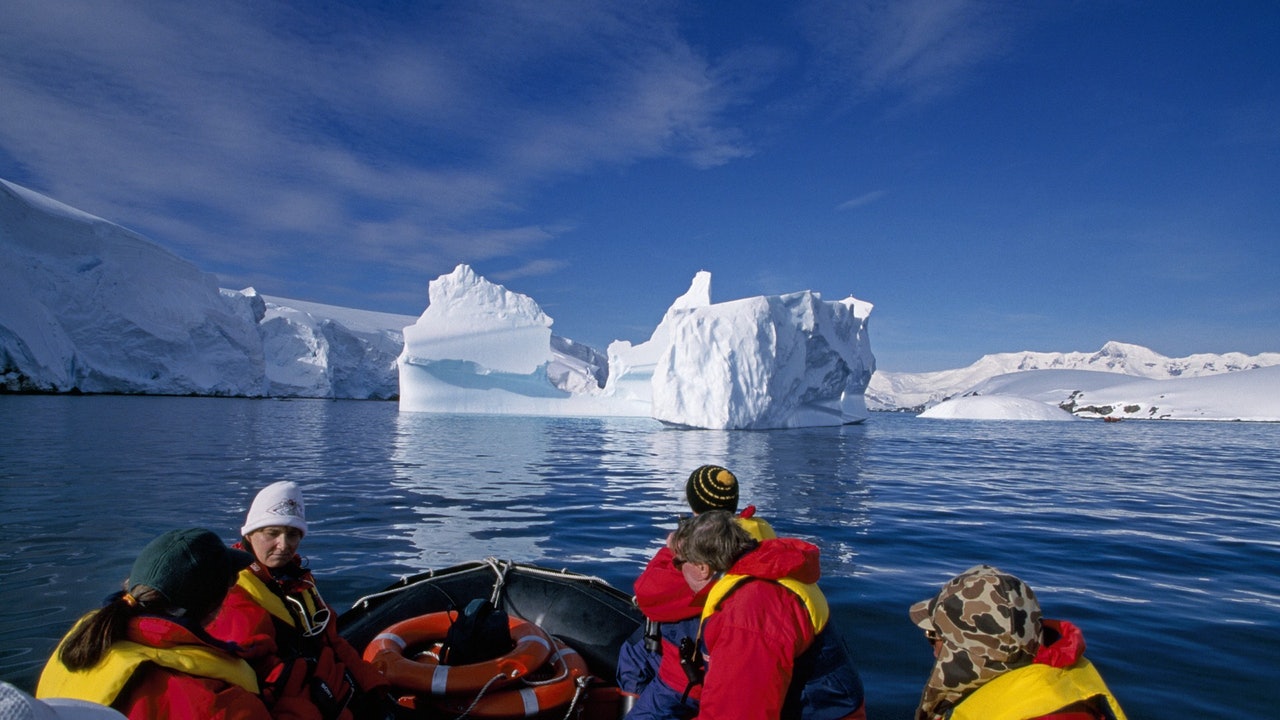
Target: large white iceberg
column 480, row 348
column 765, row 362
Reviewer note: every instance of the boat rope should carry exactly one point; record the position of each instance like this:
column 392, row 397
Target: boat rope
column 581, row 690
column 568, row 574
column 500, row 569
column 479, row 695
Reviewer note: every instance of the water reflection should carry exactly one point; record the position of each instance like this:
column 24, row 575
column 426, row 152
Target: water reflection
column 805, row 482
column 609, row 478
column 471, row 499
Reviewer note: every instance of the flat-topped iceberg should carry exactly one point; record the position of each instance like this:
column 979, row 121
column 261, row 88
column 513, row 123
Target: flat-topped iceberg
column 765, row 362
column 480, row 348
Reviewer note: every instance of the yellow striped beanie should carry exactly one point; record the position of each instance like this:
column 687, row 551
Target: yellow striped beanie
column 712, row 487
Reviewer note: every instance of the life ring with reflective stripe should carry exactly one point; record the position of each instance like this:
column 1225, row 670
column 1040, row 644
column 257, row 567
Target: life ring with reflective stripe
column 426, row 675
column 530, row 699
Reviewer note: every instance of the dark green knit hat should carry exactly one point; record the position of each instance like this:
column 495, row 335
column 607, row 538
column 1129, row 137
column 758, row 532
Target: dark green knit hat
column 712, row 487
column 191, row 568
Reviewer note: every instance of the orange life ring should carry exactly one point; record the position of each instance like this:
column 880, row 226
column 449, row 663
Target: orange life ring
column 533, row 698
column 426, row 675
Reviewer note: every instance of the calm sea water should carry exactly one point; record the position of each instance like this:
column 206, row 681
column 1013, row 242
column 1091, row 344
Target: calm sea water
column 1161, row 540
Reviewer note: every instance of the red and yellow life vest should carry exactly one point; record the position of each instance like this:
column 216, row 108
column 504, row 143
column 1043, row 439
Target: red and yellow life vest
column 103, row 682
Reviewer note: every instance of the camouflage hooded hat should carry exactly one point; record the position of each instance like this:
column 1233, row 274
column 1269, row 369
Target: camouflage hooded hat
column 987, row 622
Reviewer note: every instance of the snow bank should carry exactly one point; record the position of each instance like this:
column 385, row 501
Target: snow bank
column 996, row 408
column 1252, row 395
column 917, row 391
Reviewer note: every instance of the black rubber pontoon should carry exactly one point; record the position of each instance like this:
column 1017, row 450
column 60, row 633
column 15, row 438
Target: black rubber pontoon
column 586, row 612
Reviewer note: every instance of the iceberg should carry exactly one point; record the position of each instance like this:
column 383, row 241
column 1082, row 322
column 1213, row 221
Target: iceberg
column 779, row 361
column 87, row 306
column 481, row 348
column 759, row 363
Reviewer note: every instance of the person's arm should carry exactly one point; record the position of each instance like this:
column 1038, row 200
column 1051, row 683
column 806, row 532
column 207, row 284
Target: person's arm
column 662, row 592
column 162, row 693
column 247, row 624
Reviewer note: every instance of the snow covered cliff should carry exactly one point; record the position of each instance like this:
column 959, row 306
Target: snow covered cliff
column 89, row 306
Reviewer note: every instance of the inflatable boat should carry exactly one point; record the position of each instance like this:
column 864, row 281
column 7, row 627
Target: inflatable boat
column 565, row 632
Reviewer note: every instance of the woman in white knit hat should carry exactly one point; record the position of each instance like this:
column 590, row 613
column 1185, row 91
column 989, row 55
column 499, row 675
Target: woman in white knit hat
column 275, row 612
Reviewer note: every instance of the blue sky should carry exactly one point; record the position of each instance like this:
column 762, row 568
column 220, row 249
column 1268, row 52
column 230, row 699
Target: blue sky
column 994, row 177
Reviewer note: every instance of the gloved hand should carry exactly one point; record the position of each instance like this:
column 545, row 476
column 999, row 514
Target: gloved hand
column 287, row 692
column 331, row 687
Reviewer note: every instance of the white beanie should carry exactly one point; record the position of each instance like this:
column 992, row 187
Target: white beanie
column 277, row 505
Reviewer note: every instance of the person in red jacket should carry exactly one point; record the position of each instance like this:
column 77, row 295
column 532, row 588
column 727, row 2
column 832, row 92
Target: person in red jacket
column 649, row 663
column 276, row 613
column 997, row 658
column 768, row 644
column 145, row 653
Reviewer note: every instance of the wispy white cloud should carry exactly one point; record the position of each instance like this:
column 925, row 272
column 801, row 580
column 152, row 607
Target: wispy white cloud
column 864, row 199
column 530, row 269
column 913, row 49
column 233, row 130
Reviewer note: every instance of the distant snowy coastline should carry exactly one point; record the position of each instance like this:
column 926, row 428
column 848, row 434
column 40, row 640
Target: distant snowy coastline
column 1119, row 382
column 916, row 392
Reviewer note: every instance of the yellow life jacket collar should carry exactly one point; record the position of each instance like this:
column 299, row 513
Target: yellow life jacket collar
column 1035, row 690
column 302, row 609
column 814, row 601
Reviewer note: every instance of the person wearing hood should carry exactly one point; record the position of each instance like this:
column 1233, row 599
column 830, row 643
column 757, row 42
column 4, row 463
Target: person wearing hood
column 145, row 654
column 649, row 664
column 997, row 658
column 276, row 613
column 767, row 646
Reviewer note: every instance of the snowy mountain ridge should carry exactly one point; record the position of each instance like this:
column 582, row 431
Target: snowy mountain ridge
column 914, row 392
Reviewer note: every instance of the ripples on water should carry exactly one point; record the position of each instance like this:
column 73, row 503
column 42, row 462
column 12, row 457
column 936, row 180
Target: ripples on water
column 1160, row 539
